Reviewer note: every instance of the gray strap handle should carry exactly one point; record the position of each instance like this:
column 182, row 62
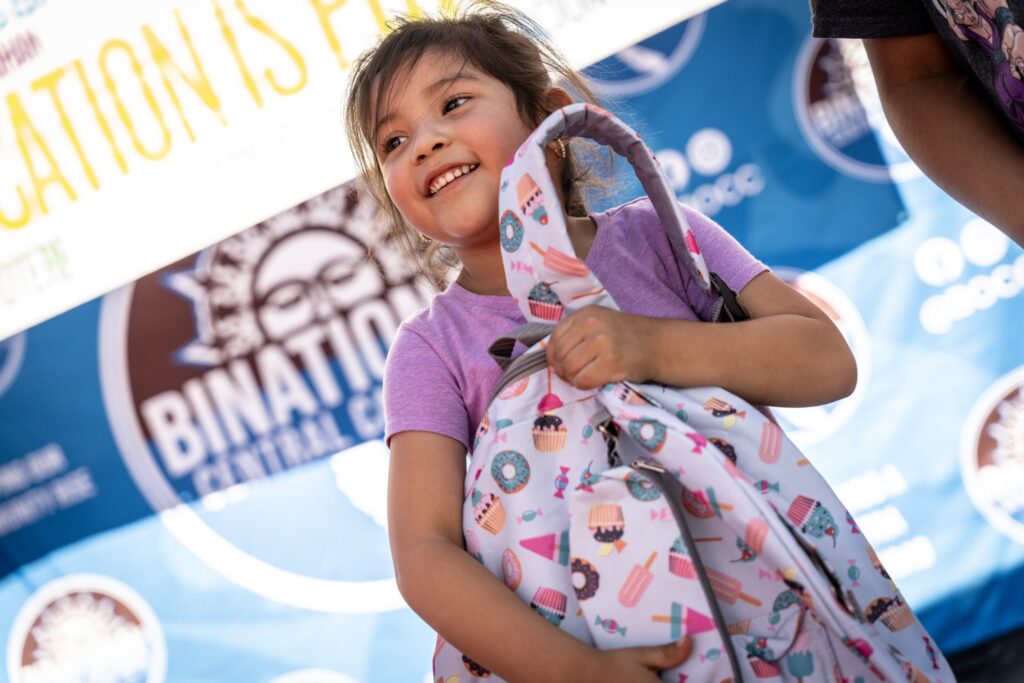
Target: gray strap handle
column 672, row 489
column 529, row 334
column 542, row 274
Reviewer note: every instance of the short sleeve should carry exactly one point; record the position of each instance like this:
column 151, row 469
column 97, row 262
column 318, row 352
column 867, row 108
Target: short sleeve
column 420, row 390
column 724, row 256
column 869, row 18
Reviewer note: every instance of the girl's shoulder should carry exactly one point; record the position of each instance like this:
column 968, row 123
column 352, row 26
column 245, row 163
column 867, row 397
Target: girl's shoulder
column 455, row 305
column 458, row 322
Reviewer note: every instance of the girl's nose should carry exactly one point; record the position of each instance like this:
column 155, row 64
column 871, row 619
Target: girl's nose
column 429, row 142
column 424, row 154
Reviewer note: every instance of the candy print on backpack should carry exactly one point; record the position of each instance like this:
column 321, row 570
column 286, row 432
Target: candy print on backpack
column 636, row 514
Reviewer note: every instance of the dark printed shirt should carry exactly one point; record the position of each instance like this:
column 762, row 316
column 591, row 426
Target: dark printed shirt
column 986, row 37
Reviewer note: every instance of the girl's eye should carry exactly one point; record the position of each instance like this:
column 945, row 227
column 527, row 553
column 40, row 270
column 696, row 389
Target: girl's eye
column 391, row 143
column 454, row 103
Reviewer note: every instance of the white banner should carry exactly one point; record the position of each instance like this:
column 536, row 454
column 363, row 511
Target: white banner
column 135, row 133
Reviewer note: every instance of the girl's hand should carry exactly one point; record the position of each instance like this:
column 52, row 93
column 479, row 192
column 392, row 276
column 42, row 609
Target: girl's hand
column 597, row 345
column 642, row 663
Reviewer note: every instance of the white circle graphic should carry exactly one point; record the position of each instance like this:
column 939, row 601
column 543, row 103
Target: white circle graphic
column 673, row 163
column 709, row 151
column 79, row 631
column 236, row 565
column 938, row 261
column 982, row 243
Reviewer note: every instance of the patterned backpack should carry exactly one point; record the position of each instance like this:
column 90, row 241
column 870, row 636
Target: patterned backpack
column 635, row 514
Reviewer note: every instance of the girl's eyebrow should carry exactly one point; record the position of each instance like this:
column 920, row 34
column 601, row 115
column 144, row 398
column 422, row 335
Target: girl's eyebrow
column 429, row 91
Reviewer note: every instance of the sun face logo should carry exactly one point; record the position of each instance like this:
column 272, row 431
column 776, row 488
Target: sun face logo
column 83, row 628
column 840, row 112
column 259, row 355
column 808, row 426
column 992, row 454
column 12, row 354
column 649, row 64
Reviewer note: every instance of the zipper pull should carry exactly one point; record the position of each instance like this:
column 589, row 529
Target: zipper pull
column 649, row 465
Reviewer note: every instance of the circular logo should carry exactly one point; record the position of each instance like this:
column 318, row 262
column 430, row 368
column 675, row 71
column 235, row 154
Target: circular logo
column 840, row 113
column 709, row 151
column 953, row 266
column 992, row 454
column 257, row 357
column 12, row 354
column 85, row 628
column 808, row 426
column 648, row 64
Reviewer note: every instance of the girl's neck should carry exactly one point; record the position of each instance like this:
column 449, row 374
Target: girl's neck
column 481, row 279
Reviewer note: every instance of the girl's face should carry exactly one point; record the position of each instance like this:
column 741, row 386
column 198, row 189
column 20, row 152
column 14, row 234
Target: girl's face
column 445, row 133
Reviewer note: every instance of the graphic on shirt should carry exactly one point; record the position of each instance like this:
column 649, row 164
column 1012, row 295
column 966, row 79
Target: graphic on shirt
column 840, row 113
column 992, row 28
column 992, row 454
column 245, row 362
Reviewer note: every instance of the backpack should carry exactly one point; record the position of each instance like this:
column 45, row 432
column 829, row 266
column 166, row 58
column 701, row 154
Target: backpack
column 638, row 513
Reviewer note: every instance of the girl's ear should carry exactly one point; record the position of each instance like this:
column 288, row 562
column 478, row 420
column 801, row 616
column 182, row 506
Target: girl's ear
column 556, row 98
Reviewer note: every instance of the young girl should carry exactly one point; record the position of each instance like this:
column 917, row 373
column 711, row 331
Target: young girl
column 434, row 113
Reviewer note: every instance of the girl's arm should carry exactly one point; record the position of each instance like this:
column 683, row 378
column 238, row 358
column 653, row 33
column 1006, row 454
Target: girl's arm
column 788, row 354
column 459, row 598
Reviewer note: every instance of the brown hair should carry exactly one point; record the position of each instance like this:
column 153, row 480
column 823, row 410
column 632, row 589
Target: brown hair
column 500, row 41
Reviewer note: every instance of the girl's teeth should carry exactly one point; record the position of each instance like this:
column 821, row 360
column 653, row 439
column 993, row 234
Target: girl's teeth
column 451, row 175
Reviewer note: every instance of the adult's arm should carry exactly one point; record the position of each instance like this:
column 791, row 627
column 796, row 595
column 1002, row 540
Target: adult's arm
column 950, row 129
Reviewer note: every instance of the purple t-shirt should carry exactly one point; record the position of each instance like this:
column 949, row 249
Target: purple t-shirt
column 439, row 376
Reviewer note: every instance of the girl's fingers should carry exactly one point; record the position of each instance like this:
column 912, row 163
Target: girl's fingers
column 592, row 375
column 660, row 657
column 577, row 361
column 563, row 340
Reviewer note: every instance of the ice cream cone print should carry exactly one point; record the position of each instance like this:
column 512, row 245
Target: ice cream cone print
column 531, row 199
column 800, row 661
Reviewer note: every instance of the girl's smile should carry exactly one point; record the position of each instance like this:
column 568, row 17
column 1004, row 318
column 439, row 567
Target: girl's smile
column 444, row 178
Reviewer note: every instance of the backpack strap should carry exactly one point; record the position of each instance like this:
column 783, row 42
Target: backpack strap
column 529, row 334
column 543, row 274
column 672, row 490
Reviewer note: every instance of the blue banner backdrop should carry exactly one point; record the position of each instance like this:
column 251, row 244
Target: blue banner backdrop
column 190, row 467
